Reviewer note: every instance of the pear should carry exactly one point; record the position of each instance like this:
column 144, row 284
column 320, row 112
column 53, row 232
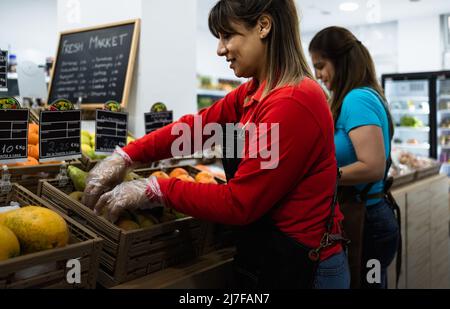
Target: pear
column 127, row 224
column 77, row 196
column 85, row 140
column 78, row 177
column 132, row 176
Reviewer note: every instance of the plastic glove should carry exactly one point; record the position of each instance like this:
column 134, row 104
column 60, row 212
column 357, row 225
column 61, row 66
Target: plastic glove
column 105, row 176
column 131, row 195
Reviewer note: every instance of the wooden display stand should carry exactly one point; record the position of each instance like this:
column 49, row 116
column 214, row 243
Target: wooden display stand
column 424, row 207
column 210, row 271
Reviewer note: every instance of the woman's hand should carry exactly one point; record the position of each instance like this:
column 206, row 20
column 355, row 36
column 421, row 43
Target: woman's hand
column 105, row 176
column 130, row 195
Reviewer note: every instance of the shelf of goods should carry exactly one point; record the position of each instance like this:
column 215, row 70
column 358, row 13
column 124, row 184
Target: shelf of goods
column 145, row 242
column 46, row 268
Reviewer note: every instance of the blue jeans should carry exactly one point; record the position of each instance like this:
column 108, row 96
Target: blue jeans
column 333, row 273
column 381, row 237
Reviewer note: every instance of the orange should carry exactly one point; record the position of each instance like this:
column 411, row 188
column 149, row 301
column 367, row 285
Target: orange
column 33, row 138
column 31, row 161
column 160, row 174
column 33, row 151
column 178, row 171
column 184, row 177
column 34, row 128
column 201, row 175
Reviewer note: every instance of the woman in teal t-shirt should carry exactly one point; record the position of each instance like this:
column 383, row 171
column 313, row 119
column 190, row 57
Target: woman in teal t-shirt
column 363, row 133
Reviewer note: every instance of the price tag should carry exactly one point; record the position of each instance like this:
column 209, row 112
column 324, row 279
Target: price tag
column 59, row 135
column 154, row 121
column 13, row 135
column 3, row 70
column 111, row 130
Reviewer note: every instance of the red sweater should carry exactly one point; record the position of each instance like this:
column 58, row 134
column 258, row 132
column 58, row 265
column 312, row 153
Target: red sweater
column 302, row 184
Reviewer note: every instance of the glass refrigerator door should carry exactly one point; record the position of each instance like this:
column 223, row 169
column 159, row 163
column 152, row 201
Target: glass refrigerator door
column 443, row 123
column 410, row 108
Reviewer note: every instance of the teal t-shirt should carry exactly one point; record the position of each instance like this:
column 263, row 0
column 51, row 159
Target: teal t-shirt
column 361, row 107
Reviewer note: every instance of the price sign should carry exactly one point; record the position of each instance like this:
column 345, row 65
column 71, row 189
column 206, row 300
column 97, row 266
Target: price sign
column 110, row 130
column 154, row 121
column 59, row 135
column 13, row 135
column 3, row 70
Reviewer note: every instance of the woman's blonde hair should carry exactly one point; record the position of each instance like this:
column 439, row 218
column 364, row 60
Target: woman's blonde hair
column 287, row 64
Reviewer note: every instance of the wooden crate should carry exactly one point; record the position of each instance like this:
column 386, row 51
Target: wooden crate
column 127, row 255
column 87, row 163
column 403, row 180
column 428, row 171
column 217, row 236
column 29, row 176
column 47, row 269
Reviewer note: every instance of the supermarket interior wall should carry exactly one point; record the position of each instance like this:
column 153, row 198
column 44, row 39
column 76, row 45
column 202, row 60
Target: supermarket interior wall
column 420, row 44
column 29, row 29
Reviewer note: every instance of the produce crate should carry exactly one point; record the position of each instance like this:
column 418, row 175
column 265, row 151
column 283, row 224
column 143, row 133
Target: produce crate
column 403, row 179
column 29, row 176
column 127, row 255
column 87, row 163
column 217, row 236
column 428, row 171
column 47, row 269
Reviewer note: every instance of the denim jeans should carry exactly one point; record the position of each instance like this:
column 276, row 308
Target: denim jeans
column 333, row 273
column 381, row 237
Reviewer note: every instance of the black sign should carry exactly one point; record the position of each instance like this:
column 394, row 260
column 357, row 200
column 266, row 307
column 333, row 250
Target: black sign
column 13, row 134
column 93, row 64
column 111, row 130
column 59, row 135
column 154, row 121
column 3, row 69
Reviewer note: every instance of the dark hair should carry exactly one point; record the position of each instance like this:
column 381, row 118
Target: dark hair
column 353, row 65
column 286, row 60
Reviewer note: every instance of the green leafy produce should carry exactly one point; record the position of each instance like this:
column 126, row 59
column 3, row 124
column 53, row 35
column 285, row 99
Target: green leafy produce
column 408, row 121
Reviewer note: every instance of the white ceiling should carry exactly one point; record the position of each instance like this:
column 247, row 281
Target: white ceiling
column 316, row 14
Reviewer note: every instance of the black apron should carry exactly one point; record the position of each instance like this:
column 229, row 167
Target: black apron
column 267, row 258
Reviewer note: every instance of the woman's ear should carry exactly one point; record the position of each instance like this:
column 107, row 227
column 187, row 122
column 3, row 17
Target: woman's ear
column 264, row 25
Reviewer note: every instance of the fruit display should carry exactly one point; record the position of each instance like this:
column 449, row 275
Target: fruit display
column 113, row 106
column 404, row 163
column 10, row 246
column 61, row 105
column 408, row 121
column 9, row 103
column 36, row 229
column 132, row 220
column 88, row 146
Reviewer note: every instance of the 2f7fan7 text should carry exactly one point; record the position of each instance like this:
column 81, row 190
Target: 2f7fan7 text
column 227, row 299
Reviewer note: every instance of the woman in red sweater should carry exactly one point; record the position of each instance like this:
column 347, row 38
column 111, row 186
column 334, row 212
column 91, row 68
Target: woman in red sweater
column 289, row 235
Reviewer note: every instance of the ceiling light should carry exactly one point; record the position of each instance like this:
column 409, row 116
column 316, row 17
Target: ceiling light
column 348, row 6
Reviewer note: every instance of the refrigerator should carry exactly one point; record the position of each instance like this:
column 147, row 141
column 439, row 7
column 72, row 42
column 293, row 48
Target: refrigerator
column 420, row 107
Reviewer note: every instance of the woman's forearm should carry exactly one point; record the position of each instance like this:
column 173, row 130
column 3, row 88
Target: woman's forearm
column 359, row 173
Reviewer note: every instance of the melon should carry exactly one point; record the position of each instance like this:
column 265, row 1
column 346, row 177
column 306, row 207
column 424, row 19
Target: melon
column 37, row 228
column 9, row 244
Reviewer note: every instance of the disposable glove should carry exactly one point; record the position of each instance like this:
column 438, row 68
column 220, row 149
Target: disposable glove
column 106, row 175
column 131, row 195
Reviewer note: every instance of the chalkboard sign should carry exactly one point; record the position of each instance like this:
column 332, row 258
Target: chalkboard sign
column 59, row 135
column 13, row 135
column 3, row 70
column 95, row 64
column 110, row 130
column 154, row 121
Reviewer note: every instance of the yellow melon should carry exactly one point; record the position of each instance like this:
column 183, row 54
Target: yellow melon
column 9, row 245
column 37, row 228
